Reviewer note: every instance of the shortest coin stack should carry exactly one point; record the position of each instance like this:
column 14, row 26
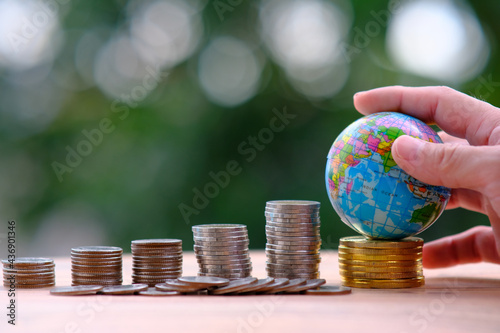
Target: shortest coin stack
column 381, row 264
column 96, row 265
column 28, row 273
column 156, row 260
column 222, row 250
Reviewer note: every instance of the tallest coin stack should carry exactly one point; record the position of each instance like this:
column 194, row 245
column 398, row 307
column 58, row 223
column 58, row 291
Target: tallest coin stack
column 293, row 239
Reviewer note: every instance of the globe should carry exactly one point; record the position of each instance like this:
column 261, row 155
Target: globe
column 369, row 191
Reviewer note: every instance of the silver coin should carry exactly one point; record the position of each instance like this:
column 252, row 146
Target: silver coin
column 220, row 253
column 129, row 289
column 221, row 227
column 76, row 290
column 293, row 203
column 157, row 242
column 97, row 249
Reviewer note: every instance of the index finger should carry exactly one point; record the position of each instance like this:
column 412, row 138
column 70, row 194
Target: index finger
column 456, row 113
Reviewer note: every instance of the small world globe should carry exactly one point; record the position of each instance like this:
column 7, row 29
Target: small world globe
column 369, row 191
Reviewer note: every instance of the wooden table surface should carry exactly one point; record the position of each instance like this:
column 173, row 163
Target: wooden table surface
column 458, row 299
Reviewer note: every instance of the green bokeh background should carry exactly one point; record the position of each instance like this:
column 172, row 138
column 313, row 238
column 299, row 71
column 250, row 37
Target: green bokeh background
column 135, row 180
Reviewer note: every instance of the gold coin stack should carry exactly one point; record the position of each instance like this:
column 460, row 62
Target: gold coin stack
column 156, row 260
column 222, row 250
column 29, row 273
column 96, row 265
column 293, row 239
column 365, row 263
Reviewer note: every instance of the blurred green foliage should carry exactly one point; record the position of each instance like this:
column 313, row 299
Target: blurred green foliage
column 136, row 178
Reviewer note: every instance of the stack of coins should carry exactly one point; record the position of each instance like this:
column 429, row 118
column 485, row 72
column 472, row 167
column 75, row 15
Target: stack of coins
column 293, row 239
column 381, row 264
column 156, row 260
column 222, row 250
column 96, row 265
column 28, row 273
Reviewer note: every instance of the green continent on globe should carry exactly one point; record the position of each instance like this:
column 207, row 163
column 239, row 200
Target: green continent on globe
column 368, row 189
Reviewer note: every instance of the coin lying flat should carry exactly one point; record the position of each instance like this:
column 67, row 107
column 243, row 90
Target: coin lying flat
column 329, row 291
column 76, row 290
column 204, row 281
column 154, row 292
column 124, row 289
column 363, row 242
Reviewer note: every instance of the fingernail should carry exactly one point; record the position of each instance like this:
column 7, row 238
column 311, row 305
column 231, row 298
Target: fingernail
column 406, row 152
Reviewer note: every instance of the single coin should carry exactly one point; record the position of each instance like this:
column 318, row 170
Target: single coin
column 290, row 285
column 294, row 229
column 234, row 286
column 129, row 289
column 220, row 253
column 96, row 259
column 287, row 235
column 154, row 292
column 308, row 276
column 255, row 287
column 378, row 251
column 387, row 257
column 329, row 291
column 28, row 261
column 380, row 269
column 76, row 290
column 221, row 247
column 398, row 263
column 294, row 221
column 204, row 281
column 175, row 285
column 97, row 249
column 281, row 203
column 27, row 275
column 221, row 227
column 233, row 276
column 157, row 242
column 277, row 241
column 166, row 258
column 220, row 233
column 290, row 252
column 378, row 275
column 360, row 241
column 383, row 284
column 310, row 284
column 28, row 269
column 293, row 247
column 241, row 239
column 283, row 214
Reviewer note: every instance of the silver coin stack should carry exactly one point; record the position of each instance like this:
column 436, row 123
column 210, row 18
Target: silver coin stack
column 156, row 260
column 96, row 265
column 222, row 250
column 293, row 239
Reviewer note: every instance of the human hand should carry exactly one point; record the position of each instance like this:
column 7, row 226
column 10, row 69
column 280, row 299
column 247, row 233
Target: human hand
column 468, row 162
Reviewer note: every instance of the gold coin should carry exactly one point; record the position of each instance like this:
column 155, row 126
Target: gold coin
column 388, row 257
column 380, row 275
column 362, row 242
column 383, row 284
column 380, row 269
column 368, row 262
column 395, row 251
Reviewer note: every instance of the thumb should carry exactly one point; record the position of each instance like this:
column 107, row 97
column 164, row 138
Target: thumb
column 450, row 165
